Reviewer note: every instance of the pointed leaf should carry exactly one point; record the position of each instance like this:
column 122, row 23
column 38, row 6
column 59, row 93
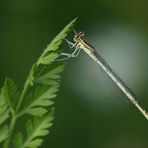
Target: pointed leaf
column 4, row 115
column 35, row 105
column 35, row 130
column 4, row 111
column 4, row 133
column 37, row 111
column 49, row 58
column 55, row 45
column 10, row 93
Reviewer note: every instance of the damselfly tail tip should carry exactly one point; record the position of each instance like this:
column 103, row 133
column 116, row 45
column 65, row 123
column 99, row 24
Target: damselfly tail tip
column 146, row 115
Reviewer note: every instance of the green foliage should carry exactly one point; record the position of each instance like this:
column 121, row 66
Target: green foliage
column 35, row 129
column 4, row 132
column 54, row 47
column 34, row 105
column 11, row 94
column 36, row 102
column 4, row 115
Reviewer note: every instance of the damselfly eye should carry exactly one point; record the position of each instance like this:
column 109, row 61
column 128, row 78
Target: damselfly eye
column 81, row 33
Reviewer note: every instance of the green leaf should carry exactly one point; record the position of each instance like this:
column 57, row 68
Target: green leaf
column 37, row 111
column 4, row 111
column 4, row 115
column 36, row 104
column 8, row 98
column 35, row 130
column 18, row 139
column 53, row 72
column 58, row 39
column 36, row 98
column 51, row 52
column 11, row 94
column 51, row 57
column 4, row 131
column 51, row 75
column 47, row 85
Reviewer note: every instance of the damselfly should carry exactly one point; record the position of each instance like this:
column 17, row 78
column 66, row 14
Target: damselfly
column 79, row 44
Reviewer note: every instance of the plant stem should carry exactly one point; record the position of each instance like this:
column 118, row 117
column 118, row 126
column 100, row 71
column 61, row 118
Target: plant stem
column 22, row 96
column 12, row 127
column 27, row 83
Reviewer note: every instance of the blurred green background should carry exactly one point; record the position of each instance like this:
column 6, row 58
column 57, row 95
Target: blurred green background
column 90, row 111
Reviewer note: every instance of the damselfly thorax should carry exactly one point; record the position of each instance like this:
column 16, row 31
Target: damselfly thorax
column 78, row 38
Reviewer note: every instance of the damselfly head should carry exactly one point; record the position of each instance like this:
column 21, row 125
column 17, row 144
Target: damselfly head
column 78, row 36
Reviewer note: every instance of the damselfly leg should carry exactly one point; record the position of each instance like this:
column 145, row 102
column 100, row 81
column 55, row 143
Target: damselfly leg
column 74, row 54
column 74, row 31
column 70, row 44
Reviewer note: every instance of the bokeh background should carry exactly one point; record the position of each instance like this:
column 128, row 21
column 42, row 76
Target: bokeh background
column 90, row 111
